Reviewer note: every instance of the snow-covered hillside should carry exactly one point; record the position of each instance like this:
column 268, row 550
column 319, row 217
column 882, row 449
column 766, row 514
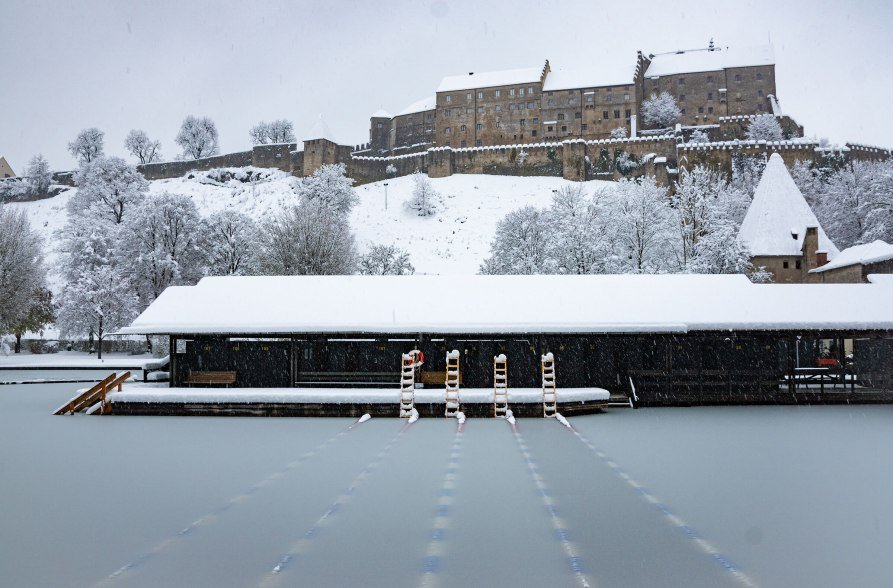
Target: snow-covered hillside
column 453, row 241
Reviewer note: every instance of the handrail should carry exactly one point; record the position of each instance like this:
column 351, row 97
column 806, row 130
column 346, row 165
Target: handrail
column 634, row 399
column 96, row 393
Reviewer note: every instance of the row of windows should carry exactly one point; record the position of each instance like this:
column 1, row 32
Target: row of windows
column 498, row 108
column 738, row 78
column 496, row 93
column 480, row 126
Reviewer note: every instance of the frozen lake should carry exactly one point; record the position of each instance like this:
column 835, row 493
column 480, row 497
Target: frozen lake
column 671, row 497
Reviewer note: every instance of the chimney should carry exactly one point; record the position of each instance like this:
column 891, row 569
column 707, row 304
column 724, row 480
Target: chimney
column 821, row 258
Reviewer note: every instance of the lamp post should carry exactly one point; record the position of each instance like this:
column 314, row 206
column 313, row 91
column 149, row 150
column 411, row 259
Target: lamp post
column 385, row 195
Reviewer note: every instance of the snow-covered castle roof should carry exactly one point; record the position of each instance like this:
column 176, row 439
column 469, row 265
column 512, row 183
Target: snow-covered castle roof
column 776, row 221
column 320, row 130
column 427, row 103
column 491, row 79
column 475, row 304
column 859, row 254
column 594, row 77
column 698, row 60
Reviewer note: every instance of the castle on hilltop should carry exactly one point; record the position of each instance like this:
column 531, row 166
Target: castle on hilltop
column 537, row 104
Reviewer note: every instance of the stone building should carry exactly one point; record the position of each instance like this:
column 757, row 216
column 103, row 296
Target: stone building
column 713, row 82
column 535, row 104
column 5, row 169
column 856, row 263
column 781, row 231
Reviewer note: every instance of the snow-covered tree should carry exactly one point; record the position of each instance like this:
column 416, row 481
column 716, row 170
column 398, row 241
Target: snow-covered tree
column 107, row 189
column 39, row 175
column 764, row 127
column 619, row 133
column 646, row 226
column 40, row 312
column 159, row 243
column 309, row 240
column 521, row 244
column 424, row 198
column 329, row 187
column 198, row 137
column 85, row 245
column 98, row 302
column 277, row 131
column 88, row 145
column 22, row 271
column 576, row 245
column 699, row 136
column 230, row 241
column 746, row 172
column 142, row 147
column 660, row 110
column 386, row 260
column 391, row 170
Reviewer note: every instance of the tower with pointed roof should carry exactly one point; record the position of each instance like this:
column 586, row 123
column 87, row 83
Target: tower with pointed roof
column 780, row 229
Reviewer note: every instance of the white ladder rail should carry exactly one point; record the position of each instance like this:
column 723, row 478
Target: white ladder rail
column 407, row 384
column 550, row 394
column 451, row 384
column 500, row 385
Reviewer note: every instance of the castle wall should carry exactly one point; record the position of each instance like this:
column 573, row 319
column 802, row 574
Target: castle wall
column 719, row 155
column 275, row 156
column 175, row 169
column 413, row 129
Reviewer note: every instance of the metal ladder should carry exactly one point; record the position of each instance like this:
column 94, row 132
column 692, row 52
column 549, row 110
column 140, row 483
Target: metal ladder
column 452, row 383
column 550, row 397
column 407, row 385
column 500, row 385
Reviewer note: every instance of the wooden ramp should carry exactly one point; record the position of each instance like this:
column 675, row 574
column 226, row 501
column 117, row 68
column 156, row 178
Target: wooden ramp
column 500, row 386
column 451, row 394
column 407, row 385
column 93, row 400
column 550, row 396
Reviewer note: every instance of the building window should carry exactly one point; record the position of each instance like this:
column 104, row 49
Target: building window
column 700, row 109
column 589, row 97
column 737, row 77
column 533, row 133
column 560, row 116
column 551, row 102
column 681, row 97
column 681, row 81
column 709, row 95
column 759, row 76
column 797, row 264
column 784, row 264
column 379, row 125
column 616, row 114
column 523, row 122
column 463, row 143
column 584, row 126
column 480, row 110
column 760, row 93
column 479, row 126
column 520, row 91
column 447, row 130
column 626, row 97
column 480, row 95
column 531, row 105
column 498, row 107
column 628, row 113
column 578, row 115
column 468, row 96
column 497, row 93
column 468, row 111
column 449, row 99
column 563, row 129
column 609, row 98
column 463, row 128
column 511, row 91
column 605, row 115
column 498, row 124
column 682, row 111
column 478, row 143
column 536, row 121
column 448, row 112
column 511, row 106
column 549, row 128
column 709, row 110
column 530, row 91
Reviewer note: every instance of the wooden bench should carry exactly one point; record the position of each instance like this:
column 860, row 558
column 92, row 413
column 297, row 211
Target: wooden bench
column 347, row 378
column 211, row 378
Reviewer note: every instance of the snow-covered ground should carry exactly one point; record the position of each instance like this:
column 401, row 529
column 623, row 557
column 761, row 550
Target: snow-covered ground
column 454, row 241
column 76, row 359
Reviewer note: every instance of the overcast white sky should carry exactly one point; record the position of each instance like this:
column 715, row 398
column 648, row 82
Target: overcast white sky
column 119, row 65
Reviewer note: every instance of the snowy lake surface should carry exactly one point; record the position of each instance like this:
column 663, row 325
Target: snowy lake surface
column 719, row 496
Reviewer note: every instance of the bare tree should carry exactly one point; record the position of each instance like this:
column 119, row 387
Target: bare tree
column 140, row 146
column 198, row 137
column 88, row 145
column 277, row 131
column 386, row 260
column 309, row 240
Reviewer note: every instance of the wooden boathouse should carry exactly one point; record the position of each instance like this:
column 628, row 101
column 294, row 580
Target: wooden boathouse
column 659, row 340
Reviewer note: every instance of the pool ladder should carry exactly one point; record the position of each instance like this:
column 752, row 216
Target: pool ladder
column 500, row 386
column 550, row 395
column 451, row 394
column 407, row 385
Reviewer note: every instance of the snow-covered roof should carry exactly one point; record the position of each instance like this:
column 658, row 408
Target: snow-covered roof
column 422, row 105
column 320, row 130
column 594, row 77
column 381, row 113
column 476, row 304
column 491, row 79
column 776, row 221
column 859, row 254
column 698, row 60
